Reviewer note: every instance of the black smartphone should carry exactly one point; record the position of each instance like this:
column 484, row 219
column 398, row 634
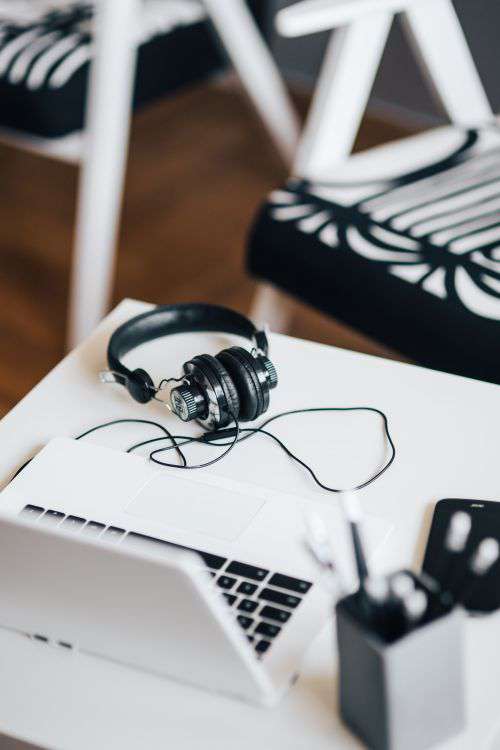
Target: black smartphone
column 481, row 594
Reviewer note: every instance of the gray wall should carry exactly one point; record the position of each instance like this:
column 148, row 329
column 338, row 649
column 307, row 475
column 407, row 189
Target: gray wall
column 400, row 90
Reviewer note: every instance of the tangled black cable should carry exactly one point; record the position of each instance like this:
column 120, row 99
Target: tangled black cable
column 234, row 436
column 167, row 435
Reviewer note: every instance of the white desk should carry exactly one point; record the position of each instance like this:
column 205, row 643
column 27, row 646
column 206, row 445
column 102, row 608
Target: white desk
column 447, row 434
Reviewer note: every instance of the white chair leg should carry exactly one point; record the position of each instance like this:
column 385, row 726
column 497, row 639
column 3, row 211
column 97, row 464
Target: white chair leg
column 257, row 71
column 272, row 307
column 346, row 79
column 103, row 167
column 442, row 50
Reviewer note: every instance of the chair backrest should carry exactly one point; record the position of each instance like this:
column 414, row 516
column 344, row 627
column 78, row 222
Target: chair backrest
column 352, row 59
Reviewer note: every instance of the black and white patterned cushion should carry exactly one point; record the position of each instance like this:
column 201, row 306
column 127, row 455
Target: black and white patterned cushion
column 46, row 48
column 411, row 259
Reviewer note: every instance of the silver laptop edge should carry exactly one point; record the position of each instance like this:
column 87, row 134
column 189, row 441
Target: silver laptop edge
column 110, row 487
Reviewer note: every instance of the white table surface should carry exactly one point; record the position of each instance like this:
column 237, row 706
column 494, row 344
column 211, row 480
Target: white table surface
column 447, row 434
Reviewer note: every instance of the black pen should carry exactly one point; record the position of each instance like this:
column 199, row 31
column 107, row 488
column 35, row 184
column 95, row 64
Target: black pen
column 354, row 515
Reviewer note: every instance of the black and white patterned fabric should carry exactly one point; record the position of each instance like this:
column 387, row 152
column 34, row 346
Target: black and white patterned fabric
column 410, row 259
column 46, row 47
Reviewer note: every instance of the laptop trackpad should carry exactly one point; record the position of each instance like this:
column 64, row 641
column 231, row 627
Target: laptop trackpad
column 216, row 507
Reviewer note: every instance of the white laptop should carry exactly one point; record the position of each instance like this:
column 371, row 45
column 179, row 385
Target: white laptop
column 100, row 547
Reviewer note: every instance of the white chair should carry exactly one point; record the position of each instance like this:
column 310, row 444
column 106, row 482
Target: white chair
column 401, row 241
column 101, row 149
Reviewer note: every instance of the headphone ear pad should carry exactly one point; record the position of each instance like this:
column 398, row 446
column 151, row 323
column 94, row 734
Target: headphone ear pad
column 228, row 387
column 245, row 380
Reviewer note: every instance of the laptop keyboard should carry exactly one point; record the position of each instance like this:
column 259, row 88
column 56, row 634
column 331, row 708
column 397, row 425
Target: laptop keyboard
column 262, row 601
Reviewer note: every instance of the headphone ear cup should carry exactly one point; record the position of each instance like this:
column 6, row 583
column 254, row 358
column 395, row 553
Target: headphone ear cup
column 239, row 364
column 232, row 405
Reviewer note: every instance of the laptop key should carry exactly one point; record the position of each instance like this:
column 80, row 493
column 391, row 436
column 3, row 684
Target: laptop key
column 247, row 571
column 278, row 597
column 226, row 582
column 94, row 528
column 287, row 582
column 247, row 588
column 113, row 533
column 247, row 605
column 265, row 628
column 230, row 598
column 52, row 516
column 273, row 613
column 73, row 523
column 244, row 621
column 41, row 638
column 211, row 561
column 262, row 646
column 32, row 510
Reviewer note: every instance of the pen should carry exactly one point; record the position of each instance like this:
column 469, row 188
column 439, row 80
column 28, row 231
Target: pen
column 353, row 513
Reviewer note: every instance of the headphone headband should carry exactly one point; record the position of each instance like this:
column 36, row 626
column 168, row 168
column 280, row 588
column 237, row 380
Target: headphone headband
column 164, row 320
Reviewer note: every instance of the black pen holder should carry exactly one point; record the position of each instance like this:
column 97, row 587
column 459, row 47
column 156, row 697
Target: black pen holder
column 405, row 694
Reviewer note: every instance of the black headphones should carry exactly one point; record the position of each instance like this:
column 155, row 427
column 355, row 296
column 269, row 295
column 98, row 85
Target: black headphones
column 232, row 386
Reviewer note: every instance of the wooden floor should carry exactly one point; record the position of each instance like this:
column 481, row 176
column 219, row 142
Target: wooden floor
column 199, row 166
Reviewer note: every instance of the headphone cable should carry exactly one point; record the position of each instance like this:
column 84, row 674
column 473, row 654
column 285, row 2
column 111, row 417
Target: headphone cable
column 167, row 436
column 235, row 433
